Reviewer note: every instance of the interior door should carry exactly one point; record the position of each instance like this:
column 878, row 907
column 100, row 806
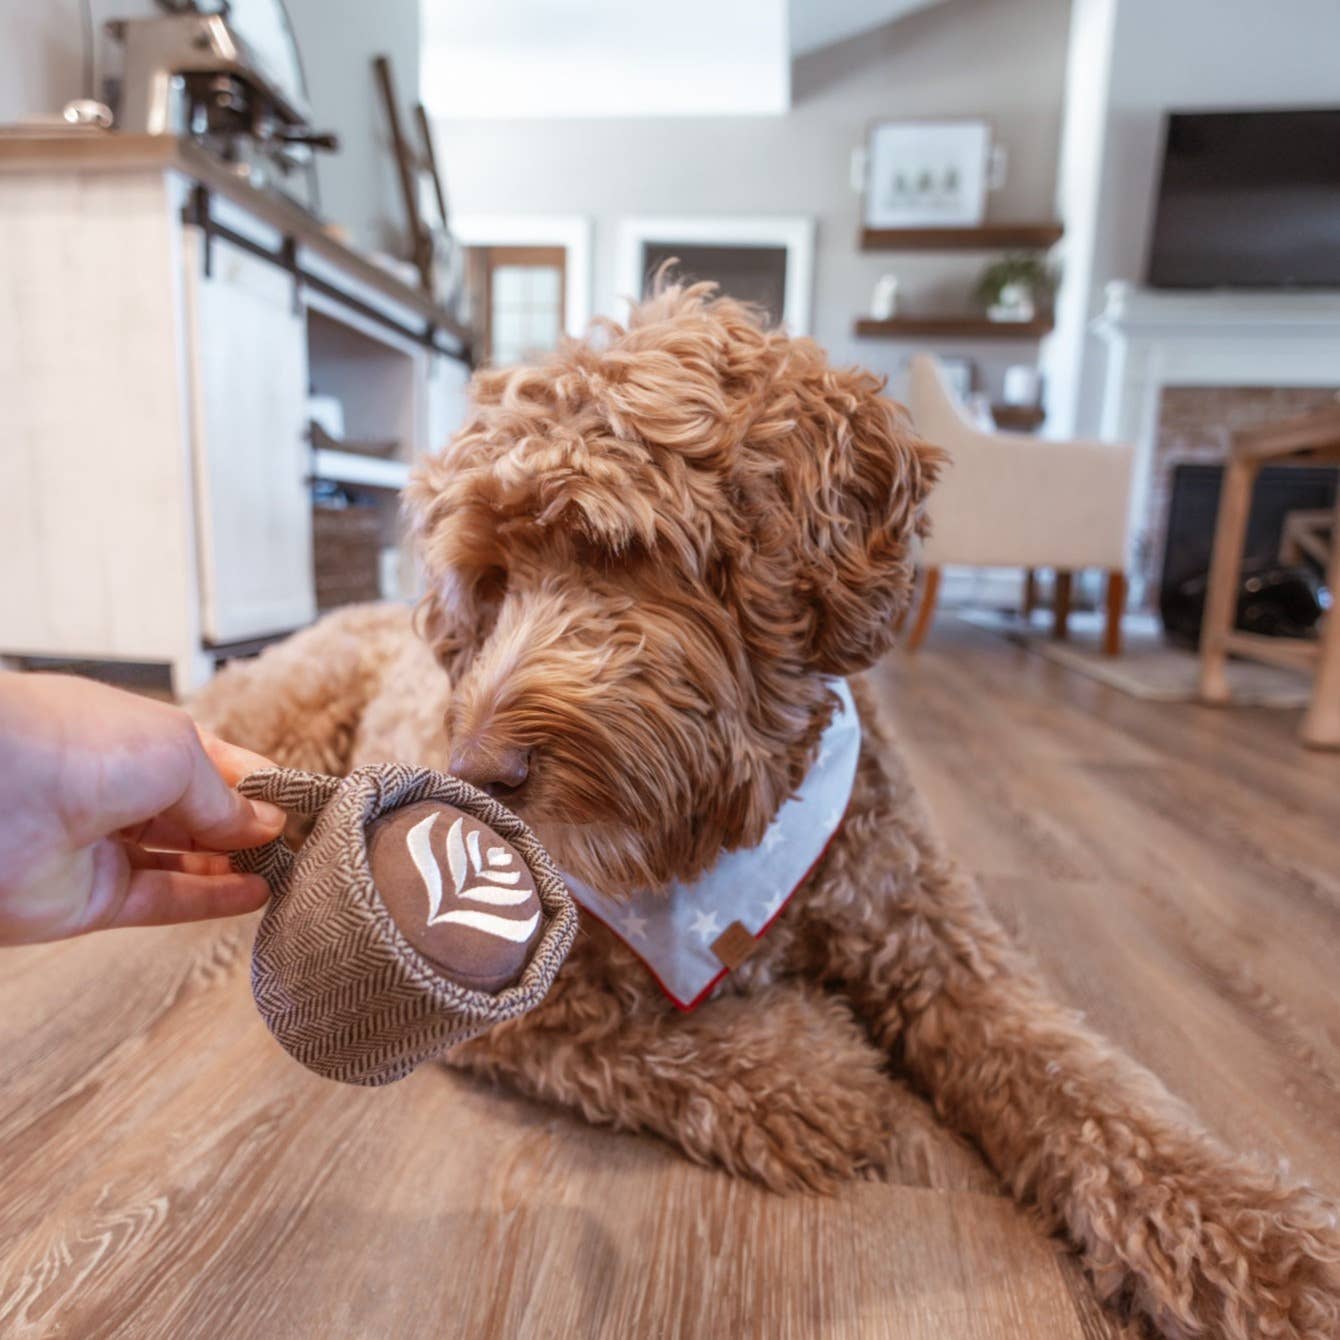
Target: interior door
column 249, row 436
column 519, row 295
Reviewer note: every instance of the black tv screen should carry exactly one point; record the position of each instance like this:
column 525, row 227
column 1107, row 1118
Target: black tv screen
column 1249, row 200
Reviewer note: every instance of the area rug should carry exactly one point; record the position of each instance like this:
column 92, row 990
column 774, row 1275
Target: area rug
column 1148, row 667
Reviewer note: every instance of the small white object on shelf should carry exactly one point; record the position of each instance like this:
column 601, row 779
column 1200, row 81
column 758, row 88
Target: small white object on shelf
column 327, row 411
column 1015, row 304
column 1022, row 385
column 82, row 112
column 884, row 300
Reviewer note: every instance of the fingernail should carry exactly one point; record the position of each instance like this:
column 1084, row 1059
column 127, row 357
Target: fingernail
column 271, row 816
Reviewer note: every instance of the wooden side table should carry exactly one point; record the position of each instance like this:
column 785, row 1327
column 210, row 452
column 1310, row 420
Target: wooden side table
column 1312, row 439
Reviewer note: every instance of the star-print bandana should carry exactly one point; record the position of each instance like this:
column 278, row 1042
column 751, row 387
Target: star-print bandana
column 692, row 935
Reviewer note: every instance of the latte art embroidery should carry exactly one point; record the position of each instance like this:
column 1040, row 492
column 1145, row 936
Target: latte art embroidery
column 464, row 857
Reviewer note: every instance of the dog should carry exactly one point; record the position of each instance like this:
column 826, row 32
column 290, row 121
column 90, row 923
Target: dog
column 649, row 561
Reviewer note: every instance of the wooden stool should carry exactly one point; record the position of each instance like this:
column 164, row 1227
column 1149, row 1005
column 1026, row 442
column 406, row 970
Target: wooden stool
column 1313, row 439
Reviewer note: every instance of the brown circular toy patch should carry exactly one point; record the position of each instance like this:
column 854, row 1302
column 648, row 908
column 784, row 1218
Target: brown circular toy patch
column 460, row 894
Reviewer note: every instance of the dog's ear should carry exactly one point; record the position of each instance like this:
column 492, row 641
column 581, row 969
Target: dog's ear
column 828, row 469
column 856, row 477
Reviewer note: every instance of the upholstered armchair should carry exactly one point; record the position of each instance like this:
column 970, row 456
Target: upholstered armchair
column 1011, row 500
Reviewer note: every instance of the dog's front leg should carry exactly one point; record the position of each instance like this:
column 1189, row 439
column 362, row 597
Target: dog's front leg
column 1202, row 1242
column 783, row 1086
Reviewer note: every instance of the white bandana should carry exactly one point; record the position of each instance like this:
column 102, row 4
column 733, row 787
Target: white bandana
column 691, row 935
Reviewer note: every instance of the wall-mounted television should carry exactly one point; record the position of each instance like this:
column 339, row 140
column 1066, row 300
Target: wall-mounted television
column 1249, row 200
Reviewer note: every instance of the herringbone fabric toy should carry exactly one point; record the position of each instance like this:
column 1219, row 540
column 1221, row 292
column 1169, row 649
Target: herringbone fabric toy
column 334, row 975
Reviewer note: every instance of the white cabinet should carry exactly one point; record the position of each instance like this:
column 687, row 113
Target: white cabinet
column 97, row 558
column 161, row 326
column 247, row 333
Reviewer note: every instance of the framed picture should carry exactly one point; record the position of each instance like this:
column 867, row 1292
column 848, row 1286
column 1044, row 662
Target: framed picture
column 927, row 174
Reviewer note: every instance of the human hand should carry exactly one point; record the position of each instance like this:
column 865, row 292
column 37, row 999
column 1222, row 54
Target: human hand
column 114, row 811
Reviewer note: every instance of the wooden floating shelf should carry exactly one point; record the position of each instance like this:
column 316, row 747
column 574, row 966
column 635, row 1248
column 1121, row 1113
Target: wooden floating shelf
column 986, row 237
column 952, row 328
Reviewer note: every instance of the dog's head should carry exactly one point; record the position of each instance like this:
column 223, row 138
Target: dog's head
column 643, row 557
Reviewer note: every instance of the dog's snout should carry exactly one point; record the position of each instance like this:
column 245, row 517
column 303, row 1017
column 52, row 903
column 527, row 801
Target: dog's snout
column 499, row 770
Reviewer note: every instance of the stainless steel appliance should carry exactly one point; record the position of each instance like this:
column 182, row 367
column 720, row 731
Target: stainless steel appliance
column 203, row 75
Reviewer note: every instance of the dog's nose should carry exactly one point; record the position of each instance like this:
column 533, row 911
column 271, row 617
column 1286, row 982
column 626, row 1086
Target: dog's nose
column 499, row 770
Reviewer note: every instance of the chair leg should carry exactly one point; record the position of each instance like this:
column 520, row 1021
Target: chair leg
column 900, row 619
column 1321, row 725
column 930, row 593
column 1221, row 600
column 1061, row 606
column 1116, row 607
column 1030, row 592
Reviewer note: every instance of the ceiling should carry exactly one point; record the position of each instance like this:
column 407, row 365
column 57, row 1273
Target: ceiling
column 605, row 58
column 573, row 58
column 820, row 23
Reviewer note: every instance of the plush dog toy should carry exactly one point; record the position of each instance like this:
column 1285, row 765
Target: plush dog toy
column 418, row 913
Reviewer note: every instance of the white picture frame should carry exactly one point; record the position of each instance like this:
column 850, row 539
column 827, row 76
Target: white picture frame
column 795, row 232
column 927, row 174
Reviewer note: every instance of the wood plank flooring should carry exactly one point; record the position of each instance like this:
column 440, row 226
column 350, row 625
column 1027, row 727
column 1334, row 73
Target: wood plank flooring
column 166, row 1171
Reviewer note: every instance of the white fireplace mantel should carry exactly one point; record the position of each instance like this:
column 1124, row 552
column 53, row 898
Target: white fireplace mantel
column 1158, row 338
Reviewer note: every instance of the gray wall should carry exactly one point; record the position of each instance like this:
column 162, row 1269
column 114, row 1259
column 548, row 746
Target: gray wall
column 41, row 68
column 999, row 59
column 338, row 39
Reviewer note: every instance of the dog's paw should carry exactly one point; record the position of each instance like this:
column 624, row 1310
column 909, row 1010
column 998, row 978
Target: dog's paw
column 1275, row 1267
column 1252, row 1258
column 792, row 1133
column 816, row 1143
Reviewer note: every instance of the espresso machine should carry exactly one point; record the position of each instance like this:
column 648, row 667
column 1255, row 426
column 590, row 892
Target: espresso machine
column 199, row 74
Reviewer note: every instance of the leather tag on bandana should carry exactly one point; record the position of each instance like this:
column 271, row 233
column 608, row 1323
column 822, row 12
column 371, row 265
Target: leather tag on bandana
column 734, row 945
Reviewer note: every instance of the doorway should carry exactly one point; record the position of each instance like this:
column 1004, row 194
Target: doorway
column 519, row 296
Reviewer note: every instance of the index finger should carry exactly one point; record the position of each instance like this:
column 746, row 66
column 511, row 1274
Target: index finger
column 232, row 761
column 208, row 814
column 205, row 821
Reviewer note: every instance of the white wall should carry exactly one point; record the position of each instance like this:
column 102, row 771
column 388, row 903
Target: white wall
column 1083, row 140
column 1000, row 59
column 337, row 40
column 1188, row 54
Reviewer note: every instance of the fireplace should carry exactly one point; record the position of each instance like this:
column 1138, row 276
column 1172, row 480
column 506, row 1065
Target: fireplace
column 1193, row 508
column 1184, row 370
column 1195, row 424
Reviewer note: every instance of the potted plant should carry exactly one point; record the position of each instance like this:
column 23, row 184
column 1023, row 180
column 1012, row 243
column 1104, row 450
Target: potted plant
column 1014, row 287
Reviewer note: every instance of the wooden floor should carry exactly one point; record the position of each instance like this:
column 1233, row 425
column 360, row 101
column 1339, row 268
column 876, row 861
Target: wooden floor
column 166, row 1171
